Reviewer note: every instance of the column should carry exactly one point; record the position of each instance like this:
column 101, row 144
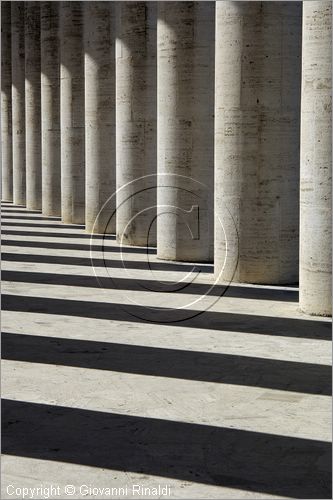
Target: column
column 18, row 103
column 72, row 113
column 136, row 123
column 32, row 106
column 100, row 147
column 6, row 103
column 185, row 130
column 257, row 109
column 316, row 160
column 50, row 101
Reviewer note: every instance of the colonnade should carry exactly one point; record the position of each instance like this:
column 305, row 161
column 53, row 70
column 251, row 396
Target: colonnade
column 203, row 128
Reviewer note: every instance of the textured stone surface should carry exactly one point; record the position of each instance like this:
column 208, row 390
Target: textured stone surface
column 136, row 122
column 100, row 140
column 316, row 160
column 233, row 403
column 72, row 113
column 257, row 110
column 185, row 73
column 18, row 103
column 32, row 106
column 50, row 102
column 6, row 103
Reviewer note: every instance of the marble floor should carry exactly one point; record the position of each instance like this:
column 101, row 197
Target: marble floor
column 124, row 376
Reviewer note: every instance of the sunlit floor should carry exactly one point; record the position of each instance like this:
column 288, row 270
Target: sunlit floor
column 112, row 378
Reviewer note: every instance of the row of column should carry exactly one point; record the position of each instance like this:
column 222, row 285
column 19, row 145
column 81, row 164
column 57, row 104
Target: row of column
column 202, row 127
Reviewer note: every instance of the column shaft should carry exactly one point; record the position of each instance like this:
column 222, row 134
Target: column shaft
column 32, row 106
column 136, row 123
column 6, row 103
column 99, row 43
column 18, row 103
column 72, row 113
column 316, row 160
column 50, row 101
column 257, row 108
column 185, row 130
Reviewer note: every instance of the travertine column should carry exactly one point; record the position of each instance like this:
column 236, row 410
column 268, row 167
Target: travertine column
column 32, row 106
column 316, row 160
column 50, row 99
column 18, row 103
column 99, row 73
column 185, row 129
column 72, row 113
column 257, row 108
column 136, row 122
column 6, row 103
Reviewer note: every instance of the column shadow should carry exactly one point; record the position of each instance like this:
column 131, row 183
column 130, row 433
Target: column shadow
column 20, row 211
column 207, row 320
column 104, row 263
column 143, row 285
column 250, row 461
column 171, row 363
column 78, row 246
column 60, row 225
column 37, row 218
column 59, row 234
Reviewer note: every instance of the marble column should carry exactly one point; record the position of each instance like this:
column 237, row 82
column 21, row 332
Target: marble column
column 316, row 160
column 18, row 103
column 6, row 103
column 185, row 130
column 100, row 139
column 136, row 123
column 257, row 122
column 32, row 107
column 50, row 102
column 72, row 113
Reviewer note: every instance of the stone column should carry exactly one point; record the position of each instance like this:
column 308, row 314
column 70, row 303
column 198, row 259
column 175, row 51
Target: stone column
column 72, row 113
column 6, row 103
column 32, row 106
column 100, row 147
column 316, row 160
column 50, row 99
column 18, row 103
column 185, row 61
column 136, row 123
column 257, row 121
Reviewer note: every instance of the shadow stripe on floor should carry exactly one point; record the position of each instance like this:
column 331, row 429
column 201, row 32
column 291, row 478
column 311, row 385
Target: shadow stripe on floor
column 59, row 234
column 170, row 363
column 251, row 461
column 208, row 320
column 105, row 263
column 143, row 285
